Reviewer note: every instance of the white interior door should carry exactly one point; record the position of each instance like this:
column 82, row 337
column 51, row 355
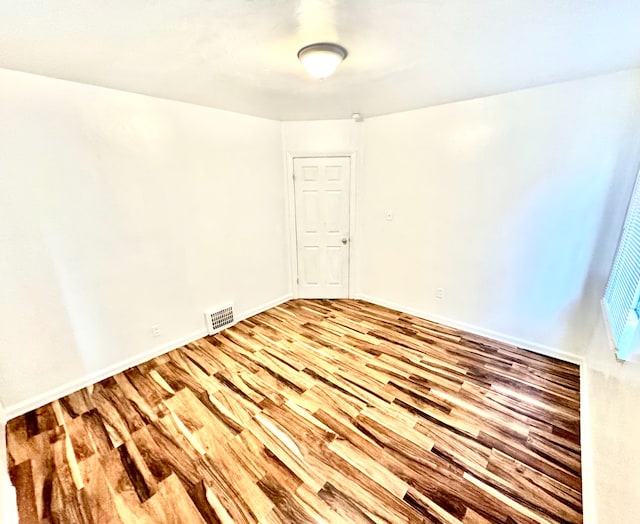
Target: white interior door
column 322, row 226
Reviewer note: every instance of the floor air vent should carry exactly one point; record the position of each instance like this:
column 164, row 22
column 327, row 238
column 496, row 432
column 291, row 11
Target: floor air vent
column 218, row 318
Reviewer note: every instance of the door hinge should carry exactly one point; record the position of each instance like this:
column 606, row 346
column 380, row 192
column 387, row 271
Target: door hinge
column 297, row 280
column 294, row 176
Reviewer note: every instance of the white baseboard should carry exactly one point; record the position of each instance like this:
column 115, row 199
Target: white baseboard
column 8, row 501
column 588, row 486
column 478, row 330
column 589, row 513
column 25, row 406
column 268, row 305
column 65, row 389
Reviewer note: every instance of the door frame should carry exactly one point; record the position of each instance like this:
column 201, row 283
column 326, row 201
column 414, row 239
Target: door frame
column 291, row 212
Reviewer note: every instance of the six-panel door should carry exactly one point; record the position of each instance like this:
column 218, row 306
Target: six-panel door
column 322, row 226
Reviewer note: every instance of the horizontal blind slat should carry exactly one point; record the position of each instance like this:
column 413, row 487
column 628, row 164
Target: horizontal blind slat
column 621, row 294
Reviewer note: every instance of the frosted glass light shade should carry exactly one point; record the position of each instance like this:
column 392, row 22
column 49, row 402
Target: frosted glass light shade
column 322, row 59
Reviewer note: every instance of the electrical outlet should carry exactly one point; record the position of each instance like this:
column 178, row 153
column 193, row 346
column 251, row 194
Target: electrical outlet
column 439, row 292
column 155, row 330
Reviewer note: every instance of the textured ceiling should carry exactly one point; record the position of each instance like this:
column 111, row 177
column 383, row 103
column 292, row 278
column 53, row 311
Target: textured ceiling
column 240, row 55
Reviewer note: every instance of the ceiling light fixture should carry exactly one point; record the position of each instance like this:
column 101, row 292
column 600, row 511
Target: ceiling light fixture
column 322, row 59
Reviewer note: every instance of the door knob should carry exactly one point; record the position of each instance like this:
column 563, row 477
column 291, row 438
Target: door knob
column 344, row 240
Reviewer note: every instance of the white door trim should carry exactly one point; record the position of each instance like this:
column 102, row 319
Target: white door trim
column 291, row 211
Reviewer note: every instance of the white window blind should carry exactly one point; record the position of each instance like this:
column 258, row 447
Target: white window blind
column 623, row 289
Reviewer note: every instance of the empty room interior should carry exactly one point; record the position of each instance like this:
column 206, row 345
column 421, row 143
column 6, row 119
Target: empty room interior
column 320, row 261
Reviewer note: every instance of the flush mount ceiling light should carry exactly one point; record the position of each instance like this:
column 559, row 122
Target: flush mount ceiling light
column 322, row 59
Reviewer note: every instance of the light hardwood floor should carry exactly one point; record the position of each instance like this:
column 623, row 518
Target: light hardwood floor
column 314, row 411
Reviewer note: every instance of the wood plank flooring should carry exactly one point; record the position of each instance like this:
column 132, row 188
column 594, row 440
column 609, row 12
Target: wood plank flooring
column 314, row 411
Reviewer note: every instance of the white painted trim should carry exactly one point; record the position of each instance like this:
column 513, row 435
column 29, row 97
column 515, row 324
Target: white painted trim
column 289, row 192
column 353, row 236
column 358, row 180
column 606, row 316
column 634, row 356
column 65, row 389
column 8, row 500
column 478, row 330
column 263, row 307
column 291, row 207
column 589, row 508
column 293, row 242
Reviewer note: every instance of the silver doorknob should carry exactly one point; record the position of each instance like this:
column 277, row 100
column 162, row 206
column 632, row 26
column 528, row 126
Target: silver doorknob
column 344, row 240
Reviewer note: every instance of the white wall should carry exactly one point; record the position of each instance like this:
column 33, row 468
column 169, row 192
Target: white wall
column 506, row 203
column 322, row 137
column 610, row 426
column 118, row 212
